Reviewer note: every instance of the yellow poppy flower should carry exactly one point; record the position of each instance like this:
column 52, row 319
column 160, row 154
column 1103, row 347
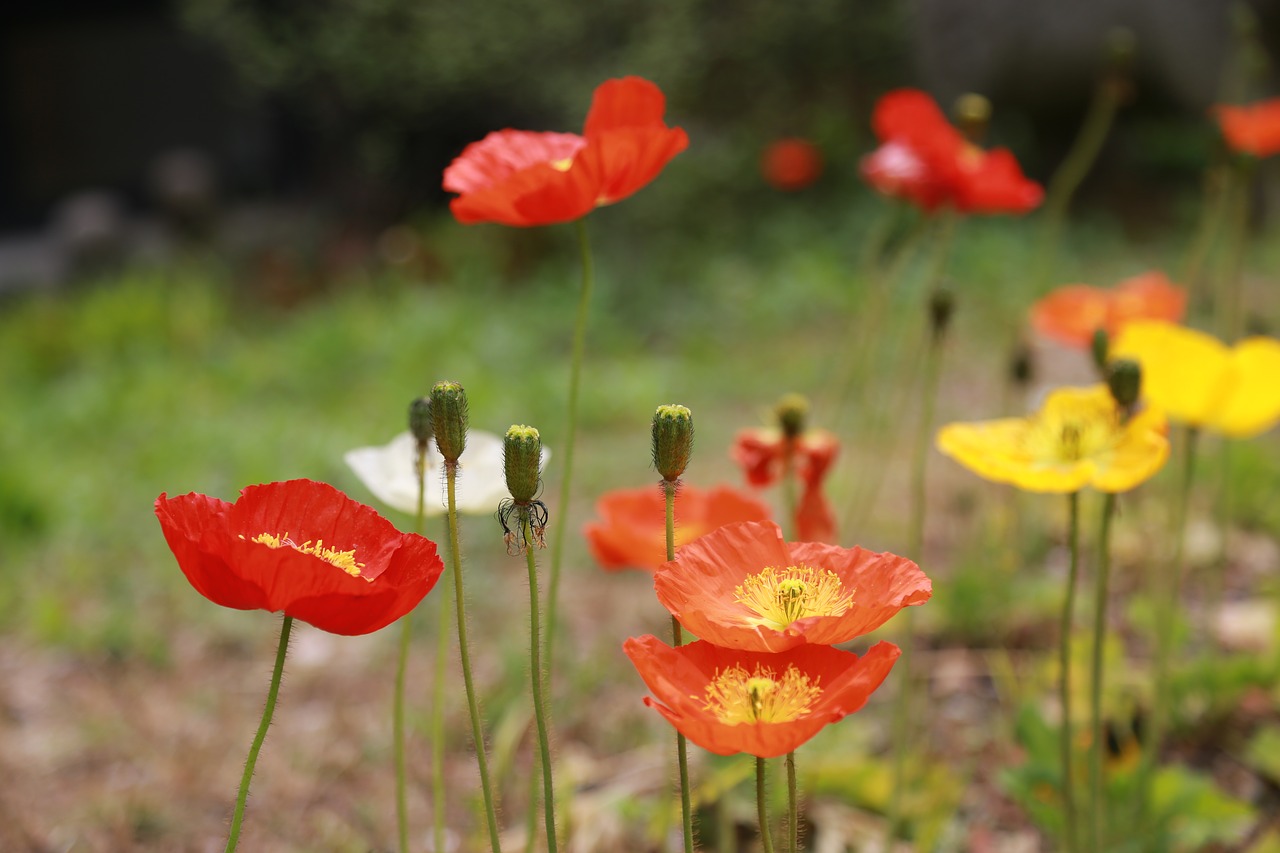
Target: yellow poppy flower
column 1078, row 438
column 1200, row 381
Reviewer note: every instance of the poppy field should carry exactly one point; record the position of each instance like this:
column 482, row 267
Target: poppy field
column 901, row 511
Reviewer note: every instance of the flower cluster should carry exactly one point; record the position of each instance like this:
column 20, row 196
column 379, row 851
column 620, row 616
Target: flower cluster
column 1072, row 314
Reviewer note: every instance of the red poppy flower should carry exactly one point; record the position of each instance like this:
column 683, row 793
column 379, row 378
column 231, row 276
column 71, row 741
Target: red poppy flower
column 743, row 587
column 632, row 531
column 729, row 701
column 303, row 548
column 764, row 454
column 1071, row 314
column 926, row 160
column 791, row 164
column 1252, row 128
column 525, row 178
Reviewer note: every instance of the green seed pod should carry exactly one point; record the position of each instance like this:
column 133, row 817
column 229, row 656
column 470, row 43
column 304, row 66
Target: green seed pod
column 449, row 419
column 1098, row 349
column 521, row 458
column 941, row 306
column 1124, row 378
column 973, row 114
column 672, row 440
column 420, row 420
column 793, row 414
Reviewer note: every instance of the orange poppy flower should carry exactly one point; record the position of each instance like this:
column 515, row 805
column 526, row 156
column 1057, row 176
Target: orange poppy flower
column 1252, row 128
column 791, row 164
column 729, row 701
column 632, row 530
column 927, row 161
column 525, row 178
column 763, row 454
column 303, row 548
column 743, row 587
column 1072, row 314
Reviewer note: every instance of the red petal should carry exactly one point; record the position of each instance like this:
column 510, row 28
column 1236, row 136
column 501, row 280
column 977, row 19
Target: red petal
column 627, row 102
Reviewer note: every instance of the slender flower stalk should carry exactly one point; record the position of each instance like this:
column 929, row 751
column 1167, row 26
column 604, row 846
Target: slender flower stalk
column 793, row 809
column 237, row 818
column 1064, row 677
column 762, row 811
column 1228, row 305
column 444, row 618
column 1097, row 802
column 539, row 701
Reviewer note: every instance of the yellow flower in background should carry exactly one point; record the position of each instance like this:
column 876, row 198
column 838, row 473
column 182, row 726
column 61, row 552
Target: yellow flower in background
column 1078, row 438
column 1200, row 381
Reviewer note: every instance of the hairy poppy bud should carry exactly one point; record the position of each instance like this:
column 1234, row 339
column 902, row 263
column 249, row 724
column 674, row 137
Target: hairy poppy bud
column 941, row 306
column 521, row 457
column 449, row 419
column 1021, row 365
column 1098, row 349
column 1124, row 378
column 672, row 440
column 793, row 414
column 420, row 420
column 973, row 114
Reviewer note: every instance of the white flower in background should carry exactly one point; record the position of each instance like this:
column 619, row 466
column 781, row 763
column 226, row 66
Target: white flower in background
column 388, row 472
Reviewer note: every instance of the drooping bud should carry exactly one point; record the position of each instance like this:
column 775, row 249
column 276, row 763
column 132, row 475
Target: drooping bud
column 1021, row 365
column 672, row 440
column 1124, row 378
column 942, row 305
column 793, row 414
column 521, row 459
column 1099, row 347
column 449, row 419
column 973, row 114
column 420, row 420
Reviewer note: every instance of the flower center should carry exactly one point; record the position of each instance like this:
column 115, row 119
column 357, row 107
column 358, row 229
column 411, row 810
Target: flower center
column 736, row 696
column 1072, row 439
column 562, row 165
column 781, row 596
column 345, row 560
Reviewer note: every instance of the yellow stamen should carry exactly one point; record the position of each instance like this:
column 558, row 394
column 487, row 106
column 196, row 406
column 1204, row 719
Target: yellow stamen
column 736, row 696
column 562, row 165
column 345, row 560
column 781, row 596
column 1071, row 438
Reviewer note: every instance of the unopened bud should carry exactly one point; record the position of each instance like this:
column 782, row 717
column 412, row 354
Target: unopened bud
column 449, row 419
column 941, row 306
column 793, row 414
column 420, row 420
column 973, row 114
column 672, row 440
column 521, row 459
column 1099, row 347
column 1021, row 365
column 1121, row 46
column 1124, row 378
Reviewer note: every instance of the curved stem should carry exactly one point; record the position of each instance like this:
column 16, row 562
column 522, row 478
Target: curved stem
column 793, row 805
column 571, row 429
column 762, row 811
column 1064, row 677
column 677, row 639
column 539, row 702
column 1097, row 802
column 464, row 650
column 237, row 818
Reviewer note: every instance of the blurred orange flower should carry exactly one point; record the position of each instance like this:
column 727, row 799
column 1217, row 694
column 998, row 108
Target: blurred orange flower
column 764, row 455
column 729, row 701
column 1252, row 128
column 1073, row 313
column 743, row 587
column 632, row 530
column 791, row 164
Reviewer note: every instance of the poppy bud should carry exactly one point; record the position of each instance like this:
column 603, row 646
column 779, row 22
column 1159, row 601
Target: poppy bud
column 449, row 419
column 420, row 420
column 521, row 457
column 793, row 413
column 672, row 440
column 1099, row 348
column 1124, row 378
column 1121, row 46
column 1021, row 365
column 973, row 114
column 941, row 306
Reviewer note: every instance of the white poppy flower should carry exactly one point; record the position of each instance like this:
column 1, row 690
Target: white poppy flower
column 388, row 472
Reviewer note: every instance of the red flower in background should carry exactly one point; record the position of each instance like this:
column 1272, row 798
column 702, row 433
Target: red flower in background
column 764, row 455
column 791, row 164
column 729, row 701
column 1252, row 128
column 926, row 160
column 303, row 548
column 525, row 178
column 632, row 530
column 1072, row 314
column 743, row 587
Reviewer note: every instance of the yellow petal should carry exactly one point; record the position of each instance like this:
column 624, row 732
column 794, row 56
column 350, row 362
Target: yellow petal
column 1252, row 403
column 1184, row 372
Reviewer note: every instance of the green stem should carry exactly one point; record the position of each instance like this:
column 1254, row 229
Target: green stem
column 1229, row 300
column 1064, row 677
column 793, row 806
column 762, row 811
column 1167, row 595
column 1097, row 802
column 571, row 429
column 1217, row 197
column 539, row 702
column 437, row 726
column 677, row 639
column 237, row 818
column 473, row 706
column 402, row 664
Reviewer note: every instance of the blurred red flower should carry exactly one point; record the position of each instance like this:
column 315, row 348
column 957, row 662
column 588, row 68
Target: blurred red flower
column 743, row 587
column 525, row 178
column 1252, row 128
column 303, row 548
column 1071, row 314
column 729, row 701
column 632, row 530
column 927, row 161
column 791, row 164
column 765, row 453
